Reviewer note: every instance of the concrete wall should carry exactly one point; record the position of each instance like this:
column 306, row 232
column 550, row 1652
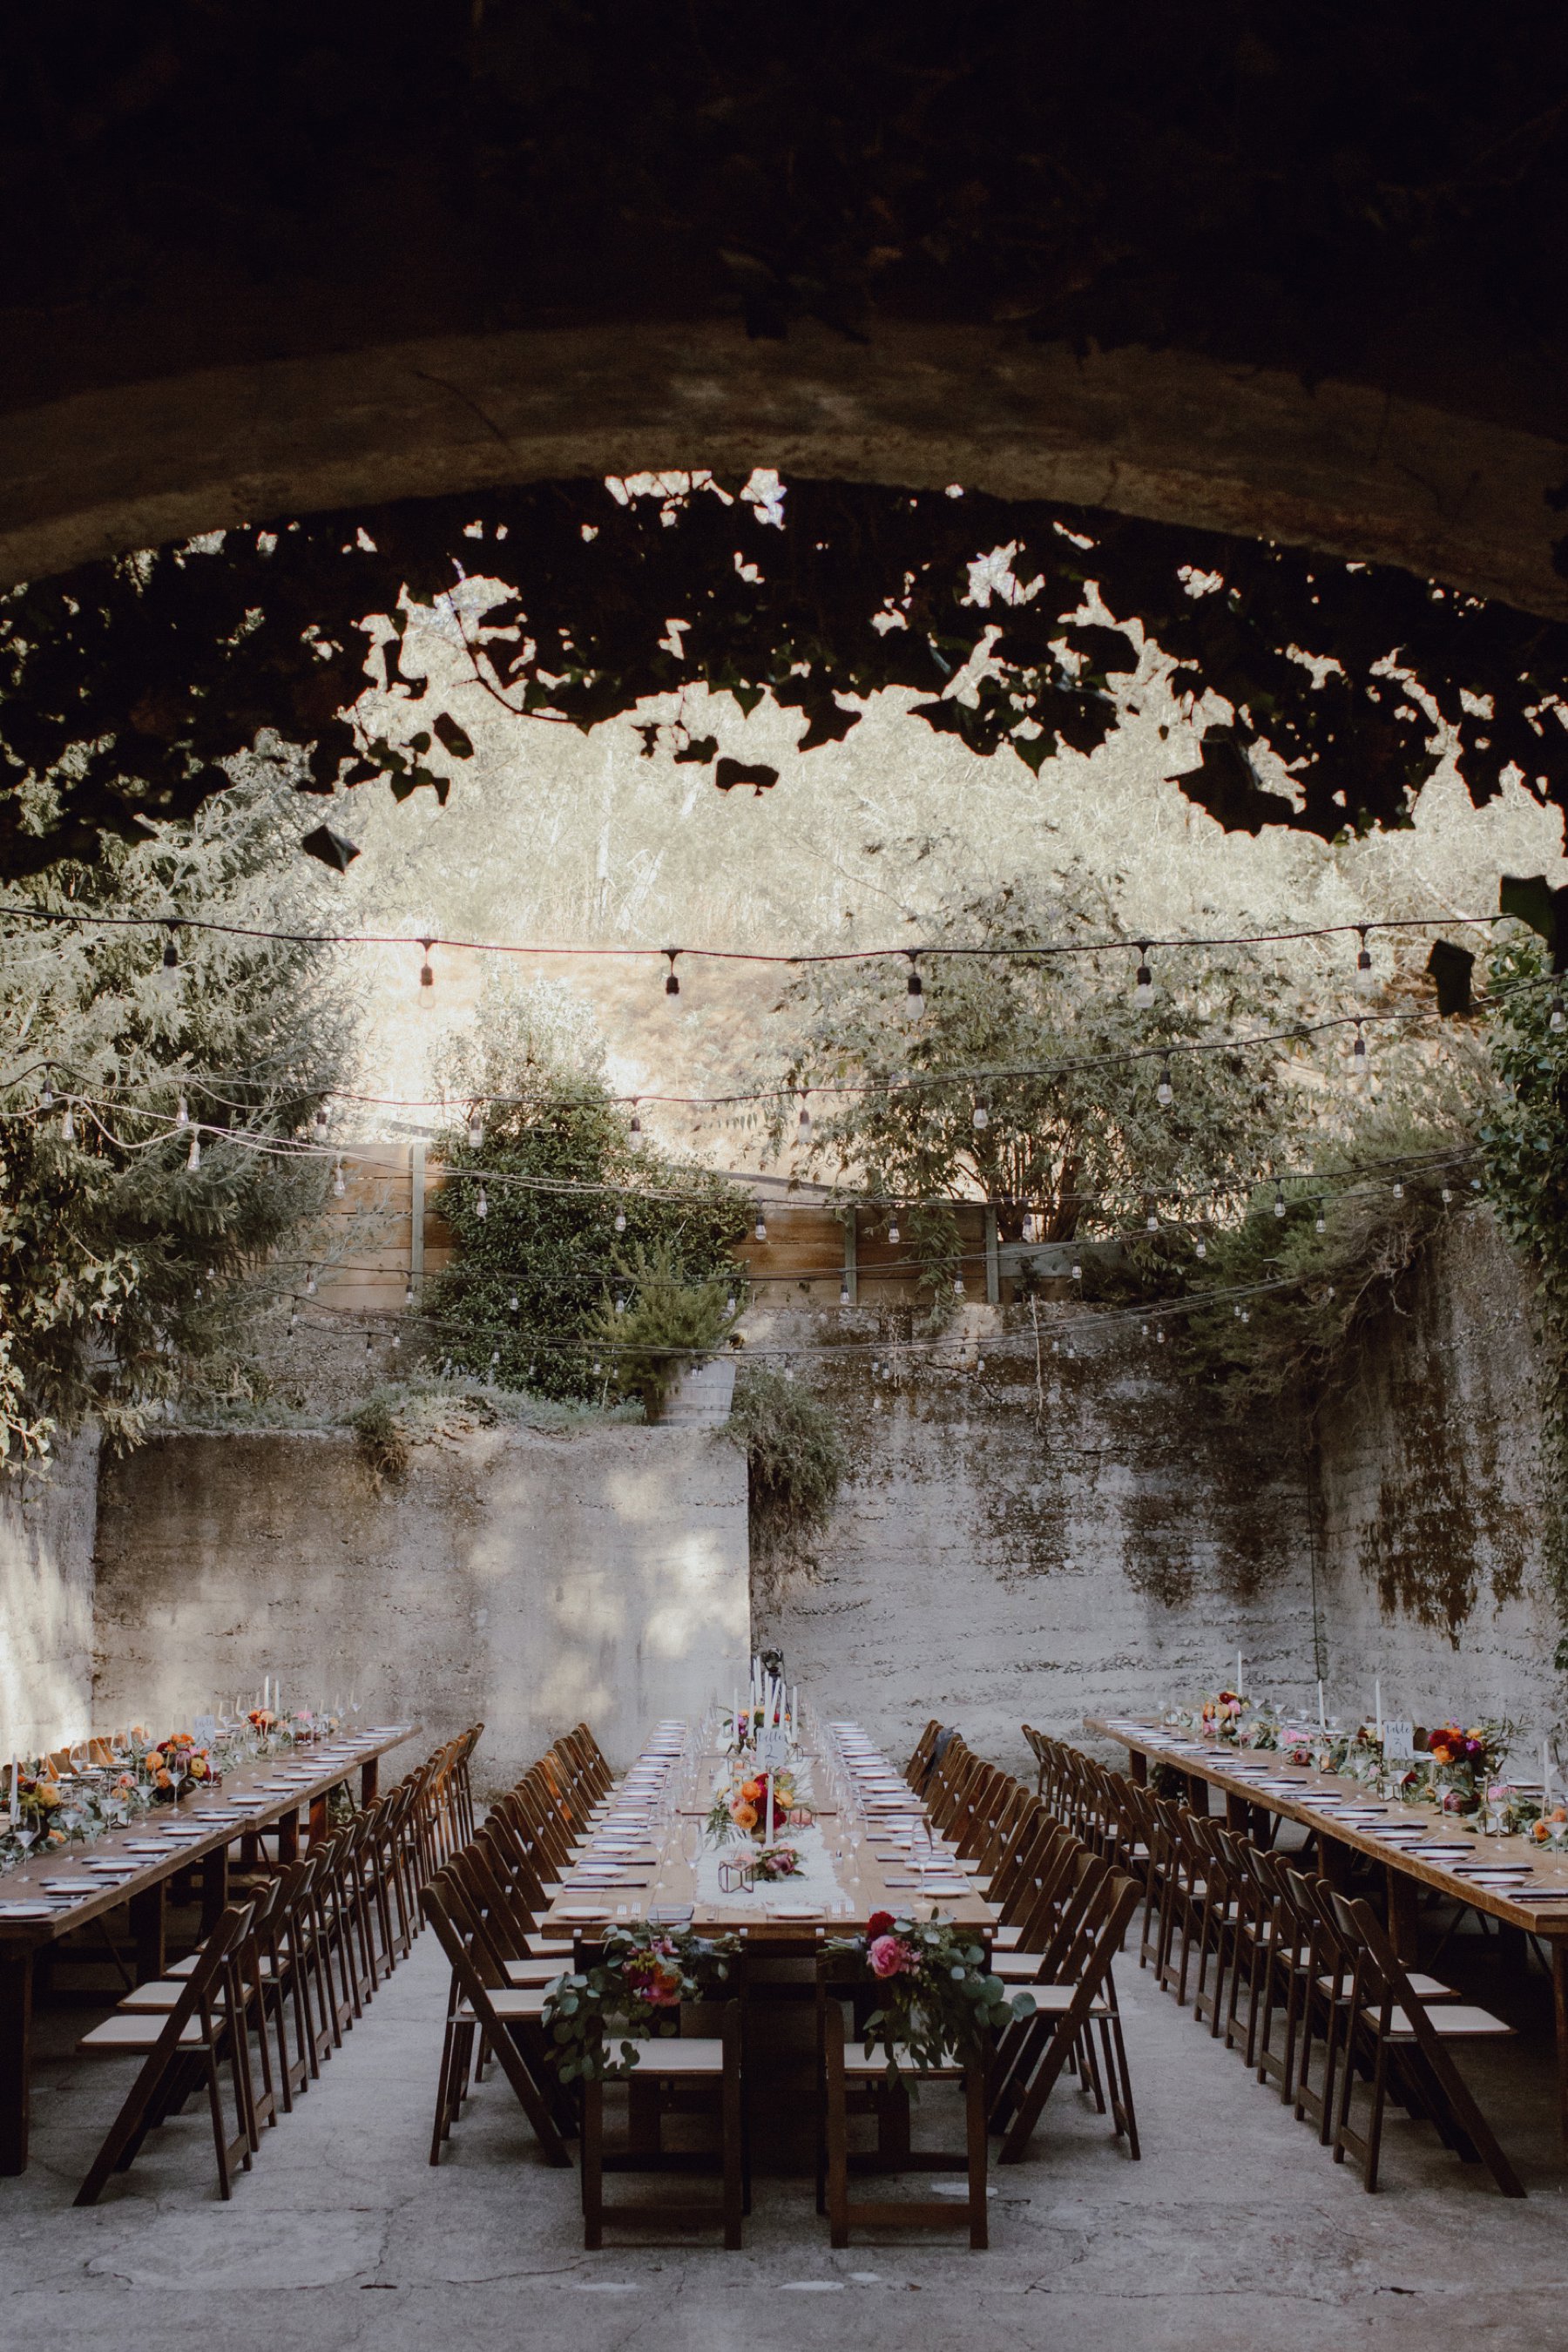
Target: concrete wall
column 528, row 1580
column 1431, row 1507
column 47, row 1600
column 1001, row 1553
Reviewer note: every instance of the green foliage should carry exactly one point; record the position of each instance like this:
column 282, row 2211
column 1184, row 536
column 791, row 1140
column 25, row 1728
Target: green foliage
column 633, row 1993
column 937, row 2001
column 130, row 1275
column 1087, row 1146
column 796, row 1459
column 1525, row 1144
column 125, row 686
column 659, row 1325
column 561, row 1166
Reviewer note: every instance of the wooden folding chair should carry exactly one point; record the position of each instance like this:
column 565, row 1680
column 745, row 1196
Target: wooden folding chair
column 1081, row 2001
column 673, row 2073
column 182, row 2049
column 510, row 2019
column 850, row 2066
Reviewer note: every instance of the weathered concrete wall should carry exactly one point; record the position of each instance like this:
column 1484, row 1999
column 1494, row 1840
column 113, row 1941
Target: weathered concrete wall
column 46, row 1599
column 1003, row 1554
column 528, row 1579
column 1430, row 1496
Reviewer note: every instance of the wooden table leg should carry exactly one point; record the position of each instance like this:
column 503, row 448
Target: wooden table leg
column 214, row 1888
column 1560, row 2011
column 148, row 1920
column 1404, row 1927
column 1335, row 1859
column 16, row 2055
column 288, row 1837
column 318, row 1825
column 369, row 1779
column 1138, row 1768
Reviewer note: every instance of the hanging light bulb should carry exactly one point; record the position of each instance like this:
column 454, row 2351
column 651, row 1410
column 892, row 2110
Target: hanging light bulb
column 980, row 1363
column 531, row 1370
column 1278, row 1198
column 427, row 970
column 408, row 1293
column 482, row 1206
column 1398, row 1189
column 1144, row 981
column 789, row 1371
column 636, row 1121
column 46, row 1098
column 843, row 1293
column 1558, row 1019
column 1358, row 1056
column 293, row 1318
column 1321, row 1224
column 671, row 983
column 914, row 993
column 730, row 1304
column 1159, row 1334
column 513, row 1302
column 476, row 1130
column 68, row 1127
column 397, row 1340
column 495, row 1358
column 194, row 1156
column 1078, row 1273
column 761, row 1228
column 1364, row 982
column 1246, row 1313
column 339, row 1186
column 182, row 1116
column 958, row 1285
column 893, row 1233
column 367, row 1343
column 620, row 1306
column 620, row 1219
column 311, row 1282
column 981, row 1118
column 1056, row 1347
column 168, row 977
column 1445, row 1196
column 320, row 1118
column 802, row 1125
column 1200, row 1247
column 1164, row 1093
column 1236, row 1312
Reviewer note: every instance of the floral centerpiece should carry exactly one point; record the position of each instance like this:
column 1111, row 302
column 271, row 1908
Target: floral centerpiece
column 938, row 2001
column 755, row 1804
column 633, row 1993
column 1465, row 1763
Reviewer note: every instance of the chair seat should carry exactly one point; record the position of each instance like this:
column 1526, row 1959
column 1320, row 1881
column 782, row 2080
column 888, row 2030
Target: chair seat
column 1457, row 2022
column 1017, row 1968
column 1428, row 1989
column 131, row 2034
column 540, row 1971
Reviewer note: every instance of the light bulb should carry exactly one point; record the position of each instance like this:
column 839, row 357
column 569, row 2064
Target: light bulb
column 1246, row 1313
column 893, row 1233
column 1236, row 1312
column 1056, row 1347
column 620, row 1306
column 1358, row 1054
column 46, row 1100
column 310, row 1283
column 1078, row 1273
column 637, row 1122
column 671, row 984
column 293, row 1318
column 531, row 1370
column 408, row 1296
column 1364, row 982
column 789, row 1371
column 68, row 1127
column 1200, row 1248
column 803, row 1124
column 367, row 1343
column 620, row 1220
column 1398, row 1189
column 980, row 1363
column 339, row 1187
column 513, row 1302
column 194, row 1156
column 320, row 1117
column 476, row 1131
column 843, row 1293
column 1152, row 1223
column 427, row 971
column 914, row 995
column 1159, row 1334
column 958, row 1285
column 730, row 1304
column 182, row 1116
column 1143, row 980
column 482, row 1206
column 1322, row 1226
column 1445, row 1196
column 1559, row 1018
column 397, row 1339
column 1164, row 1093
column 982, row 1117
column 760, row 1227
column 1279, row 1200
column 495, row 1356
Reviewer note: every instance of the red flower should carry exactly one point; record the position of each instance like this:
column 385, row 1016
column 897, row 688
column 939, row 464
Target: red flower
column 880, row 1922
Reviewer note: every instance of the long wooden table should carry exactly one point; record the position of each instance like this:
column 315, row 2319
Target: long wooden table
column 665, row 1878
column 143, row 1884
column 1537, row 1906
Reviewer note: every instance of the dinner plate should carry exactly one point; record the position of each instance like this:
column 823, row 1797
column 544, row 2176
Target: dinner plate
column 795, row 1911
column 583, row 1911
column 68, row 1886
column 27, row 1910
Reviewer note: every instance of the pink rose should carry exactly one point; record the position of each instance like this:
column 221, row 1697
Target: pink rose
column 888, row 1956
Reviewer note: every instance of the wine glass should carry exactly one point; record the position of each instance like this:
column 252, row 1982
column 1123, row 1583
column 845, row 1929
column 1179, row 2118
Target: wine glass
column 176, row 1768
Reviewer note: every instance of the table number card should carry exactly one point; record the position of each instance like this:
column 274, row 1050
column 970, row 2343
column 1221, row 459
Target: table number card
column 1398, row 1742
column 772, row 1747
column 205, row 1731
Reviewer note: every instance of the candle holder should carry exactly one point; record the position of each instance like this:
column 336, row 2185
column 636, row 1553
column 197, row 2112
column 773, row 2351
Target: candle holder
column 800, row 1817
column 737, row 1877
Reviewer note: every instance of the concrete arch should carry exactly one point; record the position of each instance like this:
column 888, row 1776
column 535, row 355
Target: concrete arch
column 1167, row 434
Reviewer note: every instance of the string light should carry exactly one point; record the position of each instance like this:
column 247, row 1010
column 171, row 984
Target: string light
column 1358, row 1054
column 1445, row 1196
column 339, row 1185
column 194, row 1156
column 981, row 1118
column 476, row 1131
column 68, row 1127
column 495, row 1358
column 182, row 1116
column 427, row 970
column 1322, row 1226
column 1365, row 981
column 1200, row 1247
column 1143, row 982
column 1159, row 1334
column 1398, row 1189
column 408, row 1293
column 1164, row 1093
column 1151, row 1221
column 1078, row 1273
column 671, row 981
column 958, row 1285
column 620, row 1220
column 893, row 1233
column 1558, row 1018
column 514, row 1302
column 730, row 1304
column 914, row 993
column 802, row 1125
column 761, row 1228
column 637, row 1122
column 46, row 1098
column 1278, row 1198
column 310, row 1283
column 482, row 1206
column 843, row 1293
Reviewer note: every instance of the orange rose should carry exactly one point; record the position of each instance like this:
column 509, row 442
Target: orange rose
column 154, row 1759
column 164, row 1779
column 744, row 1816
column 751, row 1790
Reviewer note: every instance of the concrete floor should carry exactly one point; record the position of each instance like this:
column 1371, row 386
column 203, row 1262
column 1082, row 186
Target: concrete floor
column 1236, row 2229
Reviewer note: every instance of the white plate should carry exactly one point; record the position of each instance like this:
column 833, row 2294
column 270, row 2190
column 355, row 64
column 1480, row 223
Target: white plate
column 795, row 1911
column 583, row 1911
column 27, row 1910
